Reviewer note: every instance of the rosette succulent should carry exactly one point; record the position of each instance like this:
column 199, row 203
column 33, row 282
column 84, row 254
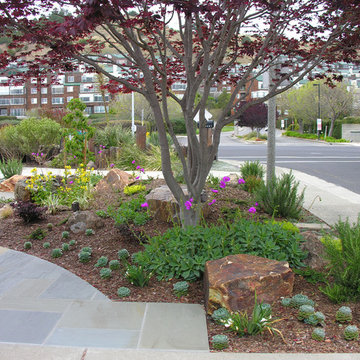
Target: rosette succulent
column 305, row 311
column 220, row 342
column 299, row 300
column 318, row 334
column 344, row 314
column 351, row 332
column 123, row 291
column 181, row 288
column 220, row 316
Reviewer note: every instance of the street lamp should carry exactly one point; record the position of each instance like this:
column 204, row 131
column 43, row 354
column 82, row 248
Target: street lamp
column 318, row 122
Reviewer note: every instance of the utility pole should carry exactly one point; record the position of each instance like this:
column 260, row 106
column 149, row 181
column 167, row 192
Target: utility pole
column 270, row 161
column 132, row 113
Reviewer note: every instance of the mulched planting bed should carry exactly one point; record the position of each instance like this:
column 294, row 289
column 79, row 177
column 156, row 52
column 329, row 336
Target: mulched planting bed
column 108, row 240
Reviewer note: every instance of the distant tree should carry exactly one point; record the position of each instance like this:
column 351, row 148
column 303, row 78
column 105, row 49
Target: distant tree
column 302, row 104
column 255, row 116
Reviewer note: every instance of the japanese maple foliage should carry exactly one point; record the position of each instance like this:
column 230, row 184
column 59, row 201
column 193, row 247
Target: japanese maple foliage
column 215, row 41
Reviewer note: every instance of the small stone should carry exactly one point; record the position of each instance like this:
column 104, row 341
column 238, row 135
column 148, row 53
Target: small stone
column 75, row 206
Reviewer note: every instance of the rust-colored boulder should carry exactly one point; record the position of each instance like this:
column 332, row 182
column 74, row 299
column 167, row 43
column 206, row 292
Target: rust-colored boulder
column 116, row 179
column 231, row 282
column 8, row 185
column 316, row 250
column 21, row 192
column 79, row 221
column 164, row 206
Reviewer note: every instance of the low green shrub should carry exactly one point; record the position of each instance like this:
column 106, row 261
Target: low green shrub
column 72, row 242
column 65, row 247
column 165, row 257
column 37, row 234
column 114, row 265
column 123, row 291
column 133, row 189
column 312, row 136
column 344, row 266
column 123, row 254
column 65, row 234
column 137, row 275
column 28, row 211
column 280, row 197
column 105, row 273
column 130, row 212
column 46, row 245
column 11, row 167
column 89, row 232
column 102, row 261
column 56, row 253
column 27, row 245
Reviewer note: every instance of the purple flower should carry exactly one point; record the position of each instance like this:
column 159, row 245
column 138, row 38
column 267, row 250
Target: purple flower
column 137, row 178
column 133, row 162
column 188, row 205
column 191, row 200
column 252, row 210
column 214, row 191
column 112, row 165
column 241, row 181
column 144, row 205
column 213, row 201
column 142, row 170
column 74, row 156
column 138, row 167
column 226, row 179
column 222, row 184
column 256, row 204
column 99, row 152
column 70, row 182
column 41, row 154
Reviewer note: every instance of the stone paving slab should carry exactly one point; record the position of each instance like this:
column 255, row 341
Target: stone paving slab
column 26, row 326
column 98, row 338
column 174, row 326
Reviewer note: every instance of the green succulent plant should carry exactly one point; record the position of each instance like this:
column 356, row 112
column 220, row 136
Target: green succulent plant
column 220, row 315
column 318, row 334
column 27, row 245
column 72, row 242
column 105, row 273
column 123, row 291
column 351, row 332
column 87, row 249
column 65, row 234
column 56, row 253
column 317, row 318
column 181, row 288
column 344, row 314
column 46, row 245
column 305, row 311
column 89, row 232
column 299, row 300
column 114, row 265
column 123, row 254
column 49, row 226
column 102, row 261
column 84, row 257
column 65, row 247
column 286, row 302
column 220, row 342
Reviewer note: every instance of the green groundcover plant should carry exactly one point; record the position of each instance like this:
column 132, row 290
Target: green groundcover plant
column 183, row 252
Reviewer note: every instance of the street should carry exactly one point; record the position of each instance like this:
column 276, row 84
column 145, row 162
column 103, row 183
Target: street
column 337, row 164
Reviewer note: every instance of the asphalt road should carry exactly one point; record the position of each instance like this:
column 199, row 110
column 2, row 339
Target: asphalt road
column 337, row 164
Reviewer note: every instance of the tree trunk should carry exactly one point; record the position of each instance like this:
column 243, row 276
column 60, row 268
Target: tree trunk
column 301, row 126
column 332, row 123
column 190, row 217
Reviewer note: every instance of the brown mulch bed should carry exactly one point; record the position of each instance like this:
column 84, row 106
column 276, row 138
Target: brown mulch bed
column 108, row 240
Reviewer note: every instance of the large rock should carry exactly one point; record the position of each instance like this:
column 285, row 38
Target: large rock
column 231, row 282
column 316, row 250
column 164, row 206
column 21, row 193
column 116, row 179
column 79, row 221
column 8, row 185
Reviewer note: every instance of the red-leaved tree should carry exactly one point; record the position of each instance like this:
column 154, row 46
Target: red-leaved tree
column 215, row 41
column 255, row 116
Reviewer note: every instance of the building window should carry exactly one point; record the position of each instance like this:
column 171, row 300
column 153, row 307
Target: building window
column 69, row 98
column 34, row 100
column 88, row 110
column 99, row 98
column 70, row 89
column 87, row 78
column 4, row 101
column 17, row 91
column 17, row 101
column 99, row 109
column 3, row 112
column 44, row 100
column 57, row 100
column 71, row 78
column 86, row 88
column 85, row 98
column 178, row 87
column 57, row 90
column 17, row 112
column 34, row 80
column 34, row 90
column 44, row 90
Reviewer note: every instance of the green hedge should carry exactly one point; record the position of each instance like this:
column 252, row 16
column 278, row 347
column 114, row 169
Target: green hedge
column 312, row 136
